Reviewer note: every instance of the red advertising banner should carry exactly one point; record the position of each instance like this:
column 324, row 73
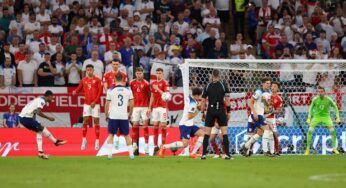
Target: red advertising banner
column 22, row 142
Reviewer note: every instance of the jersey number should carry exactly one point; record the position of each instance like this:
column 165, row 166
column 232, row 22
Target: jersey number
column 120, row 102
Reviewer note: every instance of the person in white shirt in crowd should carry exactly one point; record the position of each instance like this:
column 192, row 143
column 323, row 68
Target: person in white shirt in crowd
column 110, row 12
column 18, row 23
column 321, row 52
column 43, row 16
column 149, row 48
column 325, row 26
column 59, row 78
column 237, row 46
column 53, row 44
column 137, row 22
column 26, row 13
column 60, row 4
column 145, row 7
column 124, row 15
column 95, row 26
column 160, row 61
column 54, row 28
column 338, row 21
column 109, row 55
column 39, row 56
column 128, row 6
column 151, row 25
column 182, row 25
column 31, row 27
column 249, row 52
column 7, row 74
column 98, row 64
column 322, row 39
column 74, row 70
column 212, row 19
column 27, row 69
column 14, row 46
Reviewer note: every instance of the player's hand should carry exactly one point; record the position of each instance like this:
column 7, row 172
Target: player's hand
column 107, row 119
column 228, row 116
column 92, row 105
column 51, row 119
column 203, row 117
column 156, row 87
column 308, row 121
column 73, row 92
column 255, row 116
column 337, row 120
column 148, row 113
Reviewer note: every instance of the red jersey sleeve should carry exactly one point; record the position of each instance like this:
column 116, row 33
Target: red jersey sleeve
column 80, row 86
column 99, row 90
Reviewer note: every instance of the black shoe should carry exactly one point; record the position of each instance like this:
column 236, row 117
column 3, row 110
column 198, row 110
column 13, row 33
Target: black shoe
column 156, row 149
column 60, row 142
column 42, row 155
column 136, row 152
column 268, row 154
column 250, row 153
column 277, row 154
column 243, row 151
column 203, row 157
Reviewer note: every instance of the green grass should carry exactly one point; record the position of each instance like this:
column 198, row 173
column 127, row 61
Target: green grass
column 285, row 171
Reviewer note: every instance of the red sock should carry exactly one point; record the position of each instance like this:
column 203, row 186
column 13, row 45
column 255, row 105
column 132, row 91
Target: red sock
column 277, row 144
column 156, row 135
column 134, row 134
column 97, row 131
column 164, row 134
column 118, row 133
column 146, row 134
column 215, row 147
column 85, row 129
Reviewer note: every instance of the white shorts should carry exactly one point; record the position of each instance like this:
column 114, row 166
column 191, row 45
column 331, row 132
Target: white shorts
column 215, row 131
column 272, row 124
column 160, row 114
column 139, row 113
column 88, row 111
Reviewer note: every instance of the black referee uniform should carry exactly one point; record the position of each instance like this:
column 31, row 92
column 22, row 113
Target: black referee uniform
column 215, row 92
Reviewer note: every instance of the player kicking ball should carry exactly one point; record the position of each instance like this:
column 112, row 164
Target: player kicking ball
column 187, row 127
column 320, row 107
column 119, row 98
column 141, row 92
column 28, row 119
column 92, row 88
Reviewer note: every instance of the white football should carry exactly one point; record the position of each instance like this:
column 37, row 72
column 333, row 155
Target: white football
column 166, row 96
column 266, row 96
column 280, row 120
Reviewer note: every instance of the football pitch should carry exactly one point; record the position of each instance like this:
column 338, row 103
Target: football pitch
column 173, row 172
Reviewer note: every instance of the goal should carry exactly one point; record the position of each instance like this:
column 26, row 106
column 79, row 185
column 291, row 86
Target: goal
column 299, row 80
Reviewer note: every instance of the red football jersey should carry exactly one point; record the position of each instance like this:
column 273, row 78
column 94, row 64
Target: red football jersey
column 110, row 76
column 140, row 91
column 163, row 85
column 272, row 39
column 92, row 88
column 277, row 103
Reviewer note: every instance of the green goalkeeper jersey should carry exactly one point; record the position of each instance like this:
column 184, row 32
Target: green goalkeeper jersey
column 322, row 107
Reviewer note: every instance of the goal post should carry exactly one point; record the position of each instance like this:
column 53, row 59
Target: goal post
column 298, row 79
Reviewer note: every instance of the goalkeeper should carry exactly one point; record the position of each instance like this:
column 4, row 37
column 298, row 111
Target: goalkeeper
column 321, row 104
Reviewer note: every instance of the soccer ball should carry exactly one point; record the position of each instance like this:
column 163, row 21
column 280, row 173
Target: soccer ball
column 266, row 96
column 166, row 96
column 280, row 120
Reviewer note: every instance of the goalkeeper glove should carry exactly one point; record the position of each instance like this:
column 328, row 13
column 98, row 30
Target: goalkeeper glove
column 337, row 120
column 308, row 121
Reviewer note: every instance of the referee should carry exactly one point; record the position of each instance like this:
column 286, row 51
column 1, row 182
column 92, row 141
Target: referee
column 217, row 94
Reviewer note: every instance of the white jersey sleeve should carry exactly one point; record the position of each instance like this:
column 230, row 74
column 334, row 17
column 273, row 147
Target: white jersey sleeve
column 30, row 109
column 189, row 107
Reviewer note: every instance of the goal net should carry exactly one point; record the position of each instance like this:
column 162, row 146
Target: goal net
column 298, row 79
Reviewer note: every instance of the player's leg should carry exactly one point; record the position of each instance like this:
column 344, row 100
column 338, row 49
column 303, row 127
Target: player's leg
column 163, row 124
column 125, row 130
column 276, row 138
column 329, row 124
column 96, row 117
column 251, row 127
column 155, row 118
column 213, row 134
column 209, row 123
column 266, row 139
column 145, row 120
column 184, row 136
column 272, row 127
column 135, row 127
column 196, row 131
column 87, row 112
column 315, row 121
column 112, row 129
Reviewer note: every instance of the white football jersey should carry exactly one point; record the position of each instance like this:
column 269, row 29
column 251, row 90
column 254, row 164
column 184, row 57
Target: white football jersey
column 189, row 107
column 259, row 105
column 119, row 98
column 30, row 109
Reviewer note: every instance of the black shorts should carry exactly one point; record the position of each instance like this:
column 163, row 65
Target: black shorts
column 215, row 115
column 223, row 15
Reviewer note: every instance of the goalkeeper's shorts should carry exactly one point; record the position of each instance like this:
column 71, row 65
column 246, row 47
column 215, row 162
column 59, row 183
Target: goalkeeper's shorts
column 325, row 121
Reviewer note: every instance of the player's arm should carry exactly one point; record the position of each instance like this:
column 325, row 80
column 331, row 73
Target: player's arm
column 99, row 93
column 193, row 111
column 130, row 103
column 41, row 114
column 227, row 99
column 311, row 109
column 77, row 90
column 251, row 103
column 108, row 100
column 336, row 110
column 105, row 84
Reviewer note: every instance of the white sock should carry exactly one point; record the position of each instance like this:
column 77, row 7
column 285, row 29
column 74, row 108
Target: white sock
column 271, row 143
column 198, row 144
column 39, row 141
column 187, row 149
column 48, row 135
column 178, row 144
column 97, row 141
column 130, row 148
column 116, row 140
column 110, row 147
column 252, row 140
column 84, row 139
column 265, row 140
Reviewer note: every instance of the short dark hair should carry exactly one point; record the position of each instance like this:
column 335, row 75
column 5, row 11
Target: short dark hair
column 139, row 69
column 320, row 87
column 277, row 83
column 159, row 70
column 89, row 66
column 48, row 93
column 119, row 77
column 264, row 80
column 116, row 60
column 196, row 91
column 216, row 73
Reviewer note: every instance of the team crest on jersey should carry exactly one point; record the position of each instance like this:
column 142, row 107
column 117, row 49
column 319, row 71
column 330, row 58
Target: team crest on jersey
column 94, row 81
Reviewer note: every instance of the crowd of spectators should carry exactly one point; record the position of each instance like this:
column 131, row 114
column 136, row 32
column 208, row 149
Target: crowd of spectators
column 50, row 42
